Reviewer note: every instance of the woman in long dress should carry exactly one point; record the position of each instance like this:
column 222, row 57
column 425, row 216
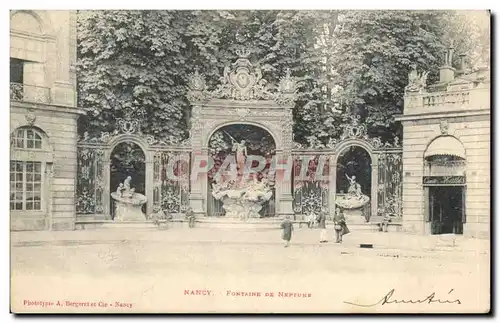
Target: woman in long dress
column 340, row 225
column 287, row 227
column 322, row 225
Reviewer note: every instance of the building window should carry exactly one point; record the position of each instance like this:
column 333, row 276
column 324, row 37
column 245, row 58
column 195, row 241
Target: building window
column 25, row 185
column 27, row 138
column 29, row 150
column 16, row 71
column 16, row 79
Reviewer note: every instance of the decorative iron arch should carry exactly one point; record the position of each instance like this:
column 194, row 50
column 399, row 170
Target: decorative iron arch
column 346, row 144
column 133, row 138
column 340, row 147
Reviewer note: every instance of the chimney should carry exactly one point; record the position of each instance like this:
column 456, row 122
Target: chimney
column 447, row 72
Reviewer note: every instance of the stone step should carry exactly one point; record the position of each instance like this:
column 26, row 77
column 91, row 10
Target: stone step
column 220, row 223
column 109, row 224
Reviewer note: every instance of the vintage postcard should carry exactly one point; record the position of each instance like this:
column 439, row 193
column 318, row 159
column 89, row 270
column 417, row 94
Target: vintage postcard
column 251, row 161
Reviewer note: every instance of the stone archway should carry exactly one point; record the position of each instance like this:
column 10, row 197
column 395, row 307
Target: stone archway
column 444, row 185
column 127, row 159
column 267, row 115
column 242, row 98
column 260, row 147
column 262, row 125
column 141, row 143
column 370, row 150
column 354, row 161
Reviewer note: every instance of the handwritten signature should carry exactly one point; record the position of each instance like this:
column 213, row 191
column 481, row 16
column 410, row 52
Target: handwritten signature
column 389, row 299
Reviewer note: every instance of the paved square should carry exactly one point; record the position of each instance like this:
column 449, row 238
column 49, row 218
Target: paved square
column 206, row 269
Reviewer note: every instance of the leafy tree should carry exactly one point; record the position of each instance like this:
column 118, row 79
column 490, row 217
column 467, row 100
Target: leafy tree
column 469, row 33
column 374, row 53
column 133, row 63
column 137, row 62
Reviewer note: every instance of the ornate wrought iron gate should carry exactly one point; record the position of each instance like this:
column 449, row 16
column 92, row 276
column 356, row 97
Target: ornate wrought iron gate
column 309, row 194
column 390, row 185
column 90, row 180
column 167, row 181
column 171, row 181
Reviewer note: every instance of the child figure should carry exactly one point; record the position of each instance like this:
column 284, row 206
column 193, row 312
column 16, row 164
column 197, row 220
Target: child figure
column 311, row 219
column 287, row 227
column 190, row 217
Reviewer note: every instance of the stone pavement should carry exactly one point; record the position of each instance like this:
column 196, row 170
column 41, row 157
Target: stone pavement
column 152, row 268
column 302, row 236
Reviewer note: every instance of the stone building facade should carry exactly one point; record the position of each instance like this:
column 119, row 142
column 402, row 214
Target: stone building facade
column 43, row 121
column 446, row 153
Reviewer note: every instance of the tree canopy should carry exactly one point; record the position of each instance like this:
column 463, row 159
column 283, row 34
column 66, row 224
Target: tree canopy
column 136, row 63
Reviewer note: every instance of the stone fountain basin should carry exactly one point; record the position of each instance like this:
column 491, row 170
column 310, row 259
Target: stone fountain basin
column 238, row 203
column 136, row 199
column 352, row 203
column 129, row 208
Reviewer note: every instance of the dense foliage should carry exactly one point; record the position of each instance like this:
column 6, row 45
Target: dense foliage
column 374, row 53
column 133, row 63
column 137, row 63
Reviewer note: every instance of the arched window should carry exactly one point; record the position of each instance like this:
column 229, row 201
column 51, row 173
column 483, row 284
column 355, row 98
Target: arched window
column 25, row 22
column 27, row 167
column 27, row 138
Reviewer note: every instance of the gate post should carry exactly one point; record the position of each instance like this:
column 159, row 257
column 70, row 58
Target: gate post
column 199, row 188
column 149, row 182
column 106, row 200
column 374, row 188
column 283, row 191
column 332, row 185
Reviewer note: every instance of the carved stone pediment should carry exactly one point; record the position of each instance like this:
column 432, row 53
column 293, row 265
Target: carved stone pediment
column 242, row 81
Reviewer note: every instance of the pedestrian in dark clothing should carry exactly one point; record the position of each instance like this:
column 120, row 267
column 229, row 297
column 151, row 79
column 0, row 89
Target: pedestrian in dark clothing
column 322, row 225
column 287, row 227
column 340, row 225
column 190, row 217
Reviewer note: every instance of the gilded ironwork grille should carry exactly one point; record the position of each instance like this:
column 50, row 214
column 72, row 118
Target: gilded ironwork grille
column 309, row 194
column 390, row 185
column 171, row 181
column 90, row 181
column 214, row 206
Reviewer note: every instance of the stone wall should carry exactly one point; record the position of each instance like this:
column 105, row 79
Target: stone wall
column 474, row 133
column 48, row 39
column 60, row 128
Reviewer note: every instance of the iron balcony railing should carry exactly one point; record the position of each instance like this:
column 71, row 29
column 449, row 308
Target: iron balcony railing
column 29, row 93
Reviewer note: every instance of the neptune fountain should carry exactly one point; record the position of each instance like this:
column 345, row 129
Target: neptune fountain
column 242, row 197
column 128, row 203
